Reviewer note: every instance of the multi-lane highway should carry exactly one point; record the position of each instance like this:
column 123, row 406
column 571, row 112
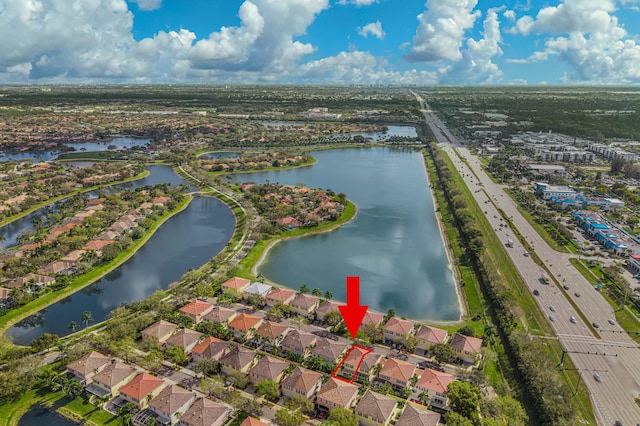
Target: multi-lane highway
column 608, row 360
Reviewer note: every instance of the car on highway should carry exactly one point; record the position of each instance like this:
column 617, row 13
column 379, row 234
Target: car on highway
column 552, row 308
column 573, row 320
column 536, row 293
column 597, row 377
column 566, row 287
column 577, row 294
column 612, row 322
column 526, row 254
column 595, row 325
column 552, row 318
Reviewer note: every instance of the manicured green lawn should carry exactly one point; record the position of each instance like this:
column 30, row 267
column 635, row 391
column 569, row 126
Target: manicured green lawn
column 84, row 411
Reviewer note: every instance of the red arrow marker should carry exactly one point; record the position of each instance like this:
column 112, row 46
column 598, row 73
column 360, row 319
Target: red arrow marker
column 353, row 313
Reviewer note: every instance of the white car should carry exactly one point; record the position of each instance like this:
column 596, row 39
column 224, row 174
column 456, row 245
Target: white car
column 612, row 322
column 573, row 320
column 597, row 377
column 552, row 308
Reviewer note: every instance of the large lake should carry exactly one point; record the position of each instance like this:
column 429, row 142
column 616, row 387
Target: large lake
column 187, row 240
column 394, row 243
column 119, row 143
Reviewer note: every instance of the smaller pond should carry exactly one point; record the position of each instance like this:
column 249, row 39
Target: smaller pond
column 39, row 415
column 217, row 155
column 402, row 131
column 119, row 143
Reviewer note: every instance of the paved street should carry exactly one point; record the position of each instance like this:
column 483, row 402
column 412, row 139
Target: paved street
column 611, row 353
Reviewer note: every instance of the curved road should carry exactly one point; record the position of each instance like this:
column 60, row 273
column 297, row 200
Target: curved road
column 610, row 354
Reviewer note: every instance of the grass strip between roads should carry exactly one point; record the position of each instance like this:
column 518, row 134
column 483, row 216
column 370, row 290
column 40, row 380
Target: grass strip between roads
column 93, row 275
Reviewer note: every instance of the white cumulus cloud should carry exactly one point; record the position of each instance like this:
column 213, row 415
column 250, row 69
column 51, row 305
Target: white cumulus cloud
column 442, row 29
column 148, row 4
column 358, row 2
column 374, row 29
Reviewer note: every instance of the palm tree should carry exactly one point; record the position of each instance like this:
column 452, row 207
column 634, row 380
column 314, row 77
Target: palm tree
column 424, row 398
column 328, row 295
column 304, row 288
column 86, row 318
column 316, row 292
column 73, row 326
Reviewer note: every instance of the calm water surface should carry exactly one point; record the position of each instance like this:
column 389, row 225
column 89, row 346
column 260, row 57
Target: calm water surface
column 41, row 416
column 119, row 143
column 187, row 240
column 393, row 244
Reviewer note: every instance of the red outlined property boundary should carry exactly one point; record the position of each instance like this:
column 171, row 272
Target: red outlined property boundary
column 334, row 373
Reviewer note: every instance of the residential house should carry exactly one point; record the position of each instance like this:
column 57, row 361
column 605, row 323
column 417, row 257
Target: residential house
column 186, row 338
column 96, row 245
column 87, row 366
column 337, row 393
column 244, row 325
column 289, row 222
column 397, row 372
column 236, row 283
column 32, row 281
column 299, row 342
column 366, row 370
column 111, row 379
column 220, row 315
column 396, row 328
column 301, row 382
column 59, row 267
column 468, row 348
column 204, row 412
column 435, row 384
column 414, row 415
column 268, row 368
column 209, row 348
column 326, row 307
column 375, row 409
column 272, row 332
column 196, row 310
column 4, row 296
column 251, row 421
column 108, row 236
column 171, row 402
column 429, row 336
column 160, row 331
column 329, row 350
column 141, row 389
column 238, row 358
column 257, row 289
column 304, row 304
column 372, row 317
column 73, row 256
column 280, row 294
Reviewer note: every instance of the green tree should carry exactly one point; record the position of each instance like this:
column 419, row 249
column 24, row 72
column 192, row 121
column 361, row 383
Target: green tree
column 238, row 379
column 464, row 399
column 333, row 318
column 467, row 330
column 269, row 389
column 206, row 366
column 257, row 301
column 299, row 402
column 73, row 326
column 304, row 289
column 342, row 417
column 454, row 419
column 285, row 417
column 506, row 409
column 328, row 295
column 110, row 252
column 316, row 292
column 203, row 290
column 47, row 340
column 86, row 318
column 443, row 352
column 176, row 355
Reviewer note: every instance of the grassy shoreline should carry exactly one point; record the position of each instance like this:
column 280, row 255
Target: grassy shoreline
column 22, row 214
column 93, row 275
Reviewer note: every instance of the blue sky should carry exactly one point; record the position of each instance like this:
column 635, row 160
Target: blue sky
column 321, row 41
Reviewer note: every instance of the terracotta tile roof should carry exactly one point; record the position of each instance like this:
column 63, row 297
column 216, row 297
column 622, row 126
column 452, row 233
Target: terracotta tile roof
column 299, row 340
column 328, row 306
column 435, row 380
column 398, row 370
column 184, row 338
column 236, row 283
column 372, row 317
column 204, row 412
column 89, row 362
column 329, row 349
column 338, row 392
column 462, row 343
column 280, row 294
column 96, row 244
column 375, row 405
column 302, row 380
column 250, row 421
column 219, row 314
column 268, row 368
column 141, row 386
column 159, row 329
column 432, row 334
column 398, row 325
column 238, row 357
column 370, row 359
column 210, row 347
column 244, row 322
column 114, row 373
column 304, row 301
column 418, row 416
column 171, row 399
column 271, row 330
column 196, row 307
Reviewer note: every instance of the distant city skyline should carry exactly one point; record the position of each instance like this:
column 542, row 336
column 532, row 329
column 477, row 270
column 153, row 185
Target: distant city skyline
column 320, row 41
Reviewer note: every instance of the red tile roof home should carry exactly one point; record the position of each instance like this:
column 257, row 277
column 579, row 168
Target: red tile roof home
column 73, row 256
column 289, row 222
column 205, row 412
column 243, row 323
column 160, row 331
column 209, row 348
column 95, row 202
column 170, row 401
column 298, row 342
column 196, row 309
column 304, row 304
column 375, row 409
column 280, row 294
column 337, row 393
column 467, row 347
column 396, row 327
column 271, row 330
column 96, row 245
column 418, row 416
column 267, row 368
column 428, row 336
column 397, row 372
column 301, row 382
column 85, row 367
column 372, row 317
column 139, row 387
column 219, row 314
column 185, row 338
column 329, row 350
column 435, row 384
column 250, row 421
column 235, row 283
column 161, row 200
column 350, row 363
column 32, row 246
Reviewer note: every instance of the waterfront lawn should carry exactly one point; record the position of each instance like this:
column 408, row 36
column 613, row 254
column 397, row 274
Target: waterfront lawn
column 81, row 410
column 92, row 155
column 93, row 275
